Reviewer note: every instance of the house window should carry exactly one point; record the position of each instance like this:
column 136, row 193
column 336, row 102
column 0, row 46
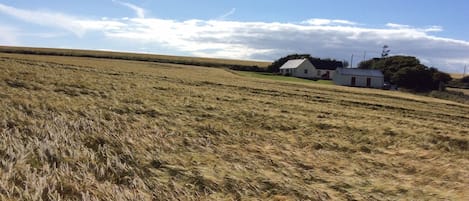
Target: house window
column 326, row 75
column 306, row 71
column 319, row 73
column 353, row 81
column 368, row 82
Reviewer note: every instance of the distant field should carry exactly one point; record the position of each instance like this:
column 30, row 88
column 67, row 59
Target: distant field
column 280, row 77
column 465, row 91
column 456, row 75
column 133, row 56
column 74, row 128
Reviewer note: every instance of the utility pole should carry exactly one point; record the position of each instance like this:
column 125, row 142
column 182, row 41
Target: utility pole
column 364, row 56
column 464, row 73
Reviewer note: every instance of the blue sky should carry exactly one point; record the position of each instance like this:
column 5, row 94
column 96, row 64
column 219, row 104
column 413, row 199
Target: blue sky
column 433, row 30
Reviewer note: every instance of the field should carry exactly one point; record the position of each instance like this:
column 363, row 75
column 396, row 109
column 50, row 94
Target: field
column 271, row 76
column 464, row 91
column 74, row 128
column 132, row 56
column 457, row 75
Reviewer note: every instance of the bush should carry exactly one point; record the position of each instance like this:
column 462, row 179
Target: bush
column 247, row 68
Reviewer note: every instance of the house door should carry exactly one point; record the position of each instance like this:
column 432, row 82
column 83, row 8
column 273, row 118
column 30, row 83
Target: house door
column 353, row 81
column 368, row 82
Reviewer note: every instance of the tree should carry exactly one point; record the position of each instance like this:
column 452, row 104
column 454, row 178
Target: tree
column 345, row 64
column 417, row 78
column 385, row 51
column 407, row 72
column 389, row 66
column 440, row 78
column 465, row 79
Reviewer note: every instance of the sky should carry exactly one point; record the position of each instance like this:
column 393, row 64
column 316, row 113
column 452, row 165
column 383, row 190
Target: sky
column 435, row 31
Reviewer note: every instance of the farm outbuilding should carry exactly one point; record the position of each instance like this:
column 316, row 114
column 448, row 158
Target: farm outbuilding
column 303, row 68
column 355, row 77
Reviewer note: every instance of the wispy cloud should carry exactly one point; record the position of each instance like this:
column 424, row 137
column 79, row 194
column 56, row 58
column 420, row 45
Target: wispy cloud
column 76, row 25
column 332, row 38
column 139, row 11
column 58, row 20
column 226, row 15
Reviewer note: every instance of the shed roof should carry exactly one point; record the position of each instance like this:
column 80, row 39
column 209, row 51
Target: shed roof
column 294, row 63
column 360, row 72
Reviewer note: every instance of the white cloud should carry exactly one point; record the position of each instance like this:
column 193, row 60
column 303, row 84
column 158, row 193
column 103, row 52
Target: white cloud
column 139, row 11
column 403, row 26
column 397, row 26
column 331, row 38
column 325, row 22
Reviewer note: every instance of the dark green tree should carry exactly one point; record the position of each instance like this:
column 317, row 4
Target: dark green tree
column 440, row 78
column 465, row 79
column 385, row 51
column 417, row 78
column 407, row 72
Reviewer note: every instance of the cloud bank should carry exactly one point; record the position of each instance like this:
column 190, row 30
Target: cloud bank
column 327, row 38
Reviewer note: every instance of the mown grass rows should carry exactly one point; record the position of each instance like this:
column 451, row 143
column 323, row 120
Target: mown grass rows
column 113, row 130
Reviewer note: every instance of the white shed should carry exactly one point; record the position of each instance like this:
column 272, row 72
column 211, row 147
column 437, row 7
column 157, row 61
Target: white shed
column 356, row 77
column 305, row 69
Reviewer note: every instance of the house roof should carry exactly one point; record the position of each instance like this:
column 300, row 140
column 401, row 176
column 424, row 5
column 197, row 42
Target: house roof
column 294, row 63
column 326, row 64
column 317, row 63
column 360, row 72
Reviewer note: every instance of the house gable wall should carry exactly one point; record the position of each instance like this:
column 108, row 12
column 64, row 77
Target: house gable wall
column 300, row 71
column 311, row 71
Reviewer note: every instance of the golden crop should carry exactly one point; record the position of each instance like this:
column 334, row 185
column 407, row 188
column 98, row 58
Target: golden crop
column 99, row 129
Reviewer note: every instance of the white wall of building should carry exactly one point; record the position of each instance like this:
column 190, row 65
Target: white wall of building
column 360, row 81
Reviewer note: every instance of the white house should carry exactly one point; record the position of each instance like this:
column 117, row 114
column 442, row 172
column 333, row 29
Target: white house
column 359, row 77
column 305, row 69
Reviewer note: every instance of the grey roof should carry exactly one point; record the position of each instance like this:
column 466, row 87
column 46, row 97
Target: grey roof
column 294, row 63
column 360, row 72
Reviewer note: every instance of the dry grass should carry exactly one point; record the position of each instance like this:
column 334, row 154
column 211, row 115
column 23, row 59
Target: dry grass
column 96, row 129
